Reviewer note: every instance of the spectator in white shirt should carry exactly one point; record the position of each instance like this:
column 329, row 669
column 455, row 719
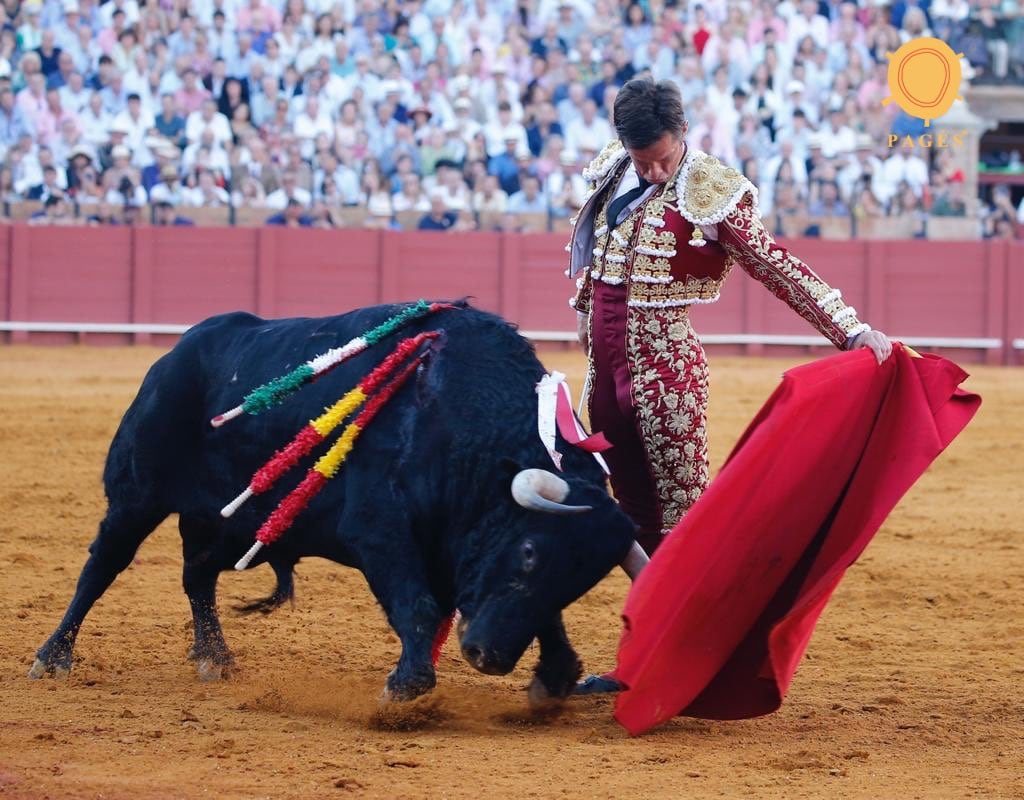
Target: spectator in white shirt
column 135, row 121
column 809, row 22
column 570, row 108
column 503, row 129
column 290, row 190
column 566, row 188
column 411, row 197
column 74, row 95
column 310, row 123
column 206, row 193
column 837, row 138
column 207, row 117
column 589, row 132
column 902, row 165
column 491, row 199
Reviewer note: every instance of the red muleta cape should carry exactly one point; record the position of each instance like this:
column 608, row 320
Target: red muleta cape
column 716, row 623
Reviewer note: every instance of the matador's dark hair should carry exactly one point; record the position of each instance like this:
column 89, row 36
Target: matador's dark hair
column 645, row 111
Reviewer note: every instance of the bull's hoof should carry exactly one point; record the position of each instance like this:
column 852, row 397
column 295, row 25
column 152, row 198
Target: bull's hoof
column 40, row 669
column 403, row 692
column 540, row 697
column 209, row 670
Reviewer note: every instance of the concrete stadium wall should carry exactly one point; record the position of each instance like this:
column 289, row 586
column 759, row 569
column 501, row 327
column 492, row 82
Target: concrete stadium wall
column 181, row 275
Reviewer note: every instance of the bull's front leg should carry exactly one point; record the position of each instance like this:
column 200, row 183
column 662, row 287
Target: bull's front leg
column 415, row 616
column 557, row 670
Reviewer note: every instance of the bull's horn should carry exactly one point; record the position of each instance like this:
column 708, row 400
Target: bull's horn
column 540, row 490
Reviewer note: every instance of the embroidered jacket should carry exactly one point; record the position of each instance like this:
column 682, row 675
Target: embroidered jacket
column 678, row 246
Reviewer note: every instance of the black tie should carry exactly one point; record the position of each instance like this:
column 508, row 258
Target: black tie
column 616, row 206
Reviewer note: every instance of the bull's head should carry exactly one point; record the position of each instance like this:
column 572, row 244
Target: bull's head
column 547, row 545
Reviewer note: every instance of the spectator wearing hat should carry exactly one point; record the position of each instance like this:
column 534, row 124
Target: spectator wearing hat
column 465, row 124
column 165, row 155
column 78, row 158
column 30, row 34
column 499, row 84
column 505, row 166
column 117, row 137
column 862, row 168
column 420, row 116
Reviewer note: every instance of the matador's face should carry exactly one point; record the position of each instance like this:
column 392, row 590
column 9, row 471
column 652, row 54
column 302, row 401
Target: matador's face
column 657, row 162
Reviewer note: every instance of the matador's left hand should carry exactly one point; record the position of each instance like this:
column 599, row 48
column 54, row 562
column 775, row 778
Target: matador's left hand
column 880, row 344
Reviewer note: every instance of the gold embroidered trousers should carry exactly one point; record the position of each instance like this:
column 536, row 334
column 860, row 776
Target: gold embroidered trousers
column 649, row 394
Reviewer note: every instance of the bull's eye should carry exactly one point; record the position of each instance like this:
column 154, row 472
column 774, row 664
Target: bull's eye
column 529, row 553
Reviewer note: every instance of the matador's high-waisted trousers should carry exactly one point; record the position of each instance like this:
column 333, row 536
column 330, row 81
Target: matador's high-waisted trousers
column 649, row 395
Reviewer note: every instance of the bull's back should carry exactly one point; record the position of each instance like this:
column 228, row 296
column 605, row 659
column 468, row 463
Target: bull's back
column 484, row 371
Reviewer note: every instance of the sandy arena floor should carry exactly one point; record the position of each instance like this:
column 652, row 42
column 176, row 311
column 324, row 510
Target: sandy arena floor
column 913, row 686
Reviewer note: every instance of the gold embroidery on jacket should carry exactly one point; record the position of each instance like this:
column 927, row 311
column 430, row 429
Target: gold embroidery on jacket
column 788, row 278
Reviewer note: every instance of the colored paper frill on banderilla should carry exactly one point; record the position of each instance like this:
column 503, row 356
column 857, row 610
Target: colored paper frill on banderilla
column 717, row 622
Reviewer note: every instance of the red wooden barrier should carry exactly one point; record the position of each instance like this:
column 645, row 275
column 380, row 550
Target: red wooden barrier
column 963, row 290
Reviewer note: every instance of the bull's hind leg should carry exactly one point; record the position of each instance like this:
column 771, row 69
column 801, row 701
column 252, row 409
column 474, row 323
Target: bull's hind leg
column 558, row 669
column 204, row 561
column 120, row 535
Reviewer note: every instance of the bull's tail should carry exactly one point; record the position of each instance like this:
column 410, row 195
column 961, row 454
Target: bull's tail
column 283, row 593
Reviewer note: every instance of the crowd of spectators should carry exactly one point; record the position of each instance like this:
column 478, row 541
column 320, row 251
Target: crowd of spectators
column 453, row 112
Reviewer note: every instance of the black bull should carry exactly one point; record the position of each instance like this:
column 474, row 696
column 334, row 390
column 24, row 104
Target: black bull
column 422, row 507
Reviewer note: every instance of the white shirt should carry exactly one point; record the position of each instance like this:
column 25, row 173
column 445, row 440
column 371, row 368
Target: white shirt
column 195, row 125
column 913, row 170
column 278, row 200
